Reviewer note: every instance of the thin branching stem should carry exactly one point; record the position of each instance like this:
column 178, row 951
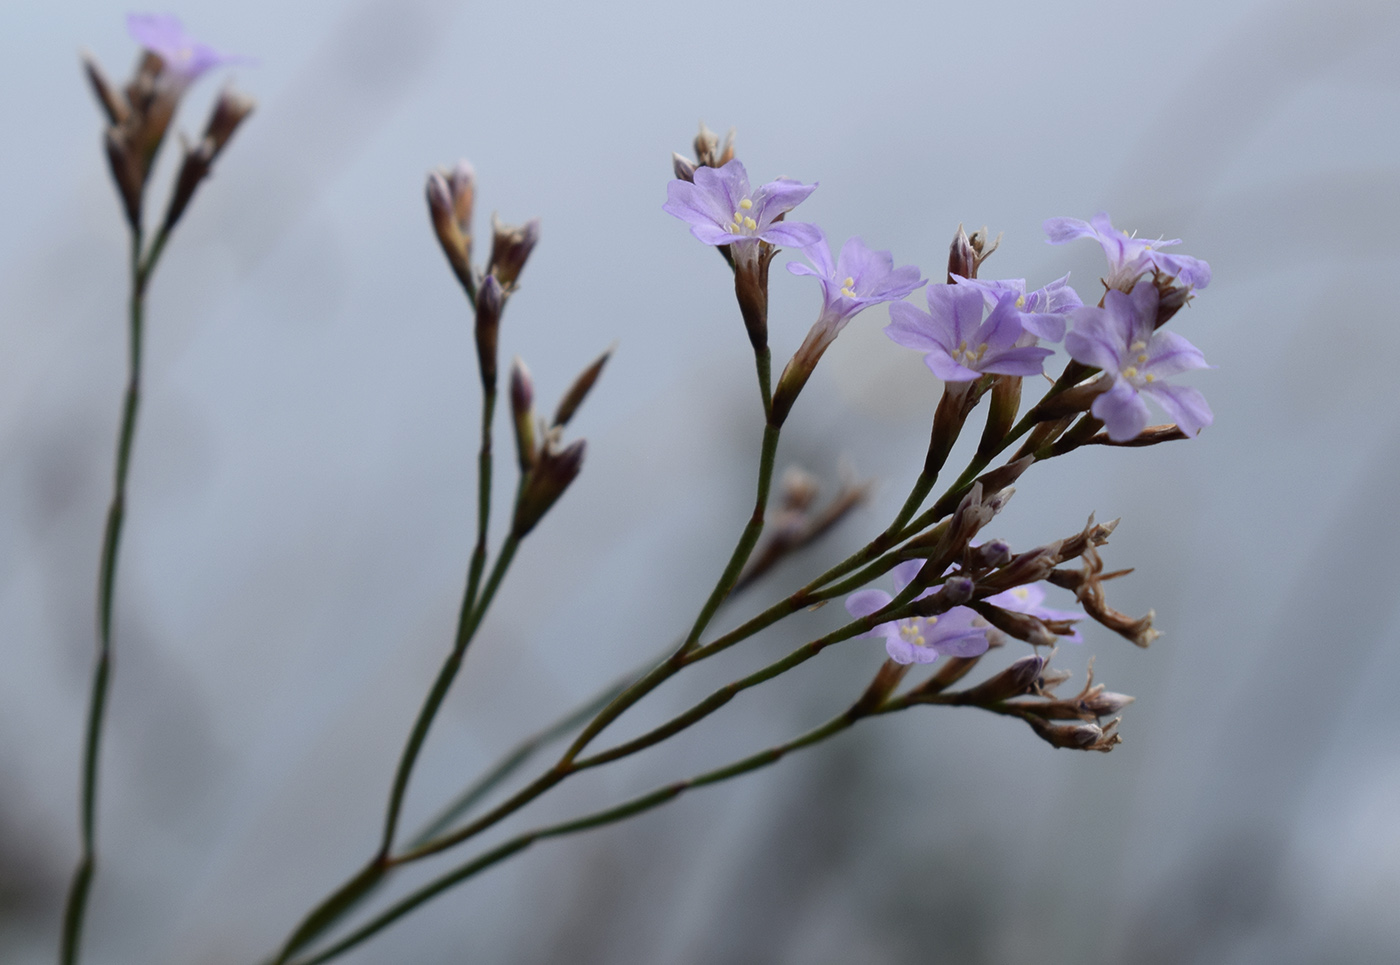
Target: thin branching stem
column 75, row 911
column 645, row 802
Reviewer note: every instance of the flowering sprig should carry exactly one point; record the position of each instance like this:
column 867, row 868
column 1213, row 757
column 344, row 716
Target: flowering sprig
column 858, row 279
column 1130, row 258
column 1136, row 360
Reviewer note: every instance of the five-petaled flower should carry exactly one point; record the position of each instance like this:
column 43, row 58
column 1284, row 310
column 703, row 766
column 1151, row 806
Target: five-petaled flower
column 857, row 279
column 1042, row 312
column 1030, row 600
column 721, row 209
column 920, row 639
column 1129, row 258
column 1119, row 339
column 958, row 345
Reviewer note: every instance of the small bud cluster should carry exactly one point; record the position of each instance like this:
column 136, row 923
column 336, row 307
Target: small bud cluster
column 139, row 114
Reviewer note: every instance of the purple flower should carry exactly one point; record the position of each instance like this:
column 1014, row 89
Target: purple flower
column 858, row 279
column 958, row 345
column 1119, row 339
column 722, row 210
column 185, row 58
column 920, row 639
column 1042, row 312
column 1129, row 258
column 1029, row 599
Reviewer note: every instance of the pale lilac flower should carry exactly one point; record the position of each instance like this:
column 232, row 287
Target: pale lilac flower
column 958, row 345
column 721, row 209
column 857, row 279
column 1129, row 258
column 1119, row 339
column 920, row 639
column 1042, row 312
column 185, row 58
column 1030, row 600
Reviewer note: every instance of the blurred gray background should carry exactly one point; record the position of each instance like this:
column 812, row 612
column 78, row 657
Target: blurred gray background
column 301, row 508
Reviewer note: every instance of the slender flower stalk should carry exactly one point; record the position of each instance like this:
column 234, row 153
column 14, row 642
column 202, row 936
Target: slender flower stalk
column 139, row 117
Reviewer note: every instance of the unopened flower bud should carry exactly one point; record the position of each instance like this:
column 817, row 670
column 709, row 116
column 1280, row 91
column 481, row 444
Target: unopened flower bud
column 1106, row 703
column 1022, row 626
column 113, row 102
column 683, row 167
column 1014, row 681
column 127, row 173
column 1001, row 414
column 957, row 590
column 230, row 110
column 522, row 410
column 490, row 302
column 1002, row 477
column 579, row 390
column 990, row 555
column 1078, row 737
column 962, row 260
column 1171, row 298
column 552, row 473
column 461, row 182
column 510, row 249
column 455, row 243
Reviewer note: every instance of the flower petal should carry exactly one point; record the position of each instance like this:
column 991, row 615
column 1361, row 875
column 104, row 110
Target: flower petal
column 1184, row 405
column 862, row 603
column 1121, row 409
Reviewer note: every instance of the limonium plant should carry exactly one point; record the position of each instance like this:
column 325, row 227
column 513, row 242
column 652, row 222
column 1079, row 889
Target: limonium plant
column 945, row 597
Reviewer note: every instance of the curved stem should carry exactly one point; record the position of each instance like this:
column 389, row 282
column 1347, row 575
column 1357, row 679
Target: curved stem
column 483, row 499
column 637, row 805
column 76, row 908
column 469, row 621
column 742, row 551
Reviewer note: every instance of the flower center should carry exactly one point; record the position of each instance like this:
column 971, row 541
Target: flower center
column 969, row 356
column 1138, row 349
column 1021, row 593
column 848, row 287
column 912, row 630
column 743, row 223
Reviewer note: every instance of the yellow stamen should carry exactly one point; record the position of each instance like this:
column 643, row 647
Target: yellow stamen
column 1021, row 301
column 1142, row 359
column 1131, row 372
column 746, row 204
column 750, row 223
column 1150, row 377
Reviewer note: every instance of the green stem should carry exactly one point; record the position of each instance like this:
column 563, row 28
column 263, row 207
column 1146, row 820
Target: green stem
column 742, row 551
column 76, row 908
column 470, row 619
column 483, row 499
column 627, row 809
column 763, row 362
